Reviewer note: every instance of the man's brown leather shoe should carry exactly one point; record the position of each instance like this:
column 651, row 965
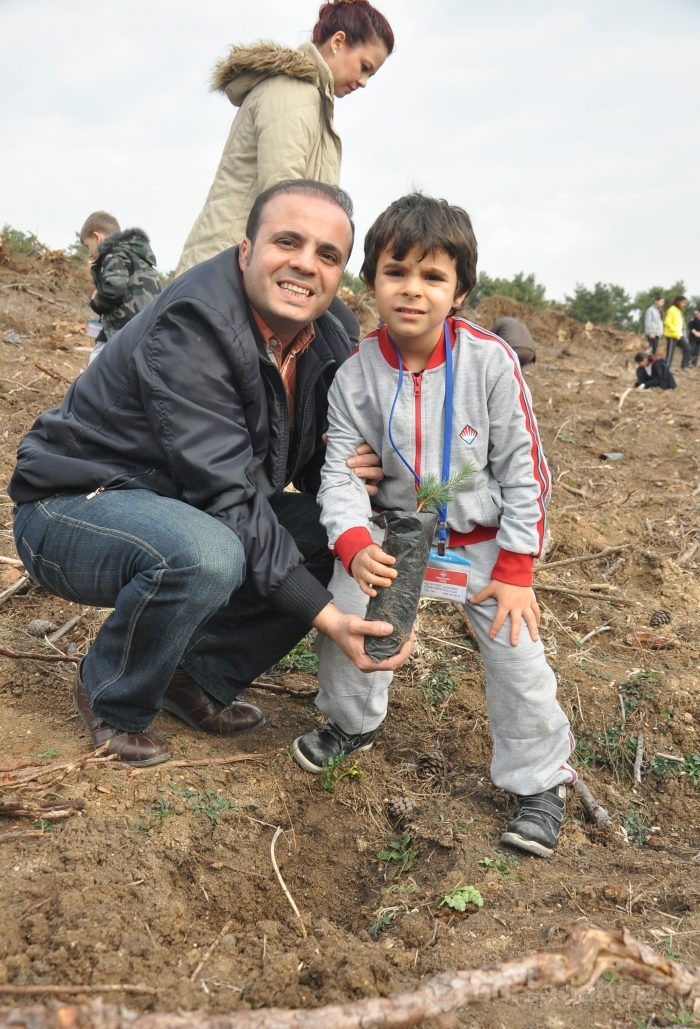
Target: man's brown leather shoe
column 139, row 749
column 193, row 705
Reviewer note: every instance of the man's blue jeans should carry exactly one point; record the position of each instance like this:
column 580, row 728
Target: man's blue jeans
column 175, row 578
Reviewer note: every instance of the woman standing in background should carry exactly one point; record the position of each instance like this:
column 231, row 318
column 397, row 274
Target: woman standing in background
column 284, row 124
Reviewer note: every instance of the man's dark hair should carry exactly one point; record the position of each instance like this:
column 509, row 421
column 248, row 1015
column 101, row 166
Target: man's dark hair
column 677, row 300
column 299, row 186
column 431, row 225
column 640, row 356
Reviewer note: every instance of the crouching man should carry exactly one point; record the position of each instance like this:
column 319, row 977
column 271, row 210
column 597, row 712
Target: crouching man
column 158, row 487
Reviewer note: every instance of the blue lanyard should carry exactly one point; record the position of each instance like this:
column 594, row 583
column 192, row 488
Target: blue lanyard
column 447, row 431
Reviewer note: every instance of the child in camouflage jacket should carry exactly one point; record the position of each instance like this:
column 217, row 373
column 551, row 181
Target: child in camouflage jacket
column 123, row 270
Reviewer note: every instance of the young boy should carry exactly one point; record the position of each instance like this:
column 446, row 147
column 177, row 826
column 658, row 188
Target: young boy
column 393, row 392
column 123, row 270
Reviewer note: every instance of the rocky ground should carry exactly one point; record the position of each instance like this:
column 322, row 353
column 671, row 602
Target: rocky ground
column 126, row 878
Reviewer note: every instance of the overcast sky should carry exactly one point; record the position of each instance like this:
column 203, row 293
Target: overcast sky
column 568, row 130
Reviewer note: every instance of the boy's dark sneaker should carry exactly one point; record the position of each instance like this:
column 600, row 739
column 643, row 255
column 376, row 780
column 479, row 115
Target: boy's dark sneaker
column 537, row 823
column 315, row 749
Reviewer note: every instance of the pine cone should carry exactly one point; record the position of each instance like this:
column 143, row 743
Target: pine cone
column 660, row 617
column 400, row 808
column 432, row 763
column 41, row 627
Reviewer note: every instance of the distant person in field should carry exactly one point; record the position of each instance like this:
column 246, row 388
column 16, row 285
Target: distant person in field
column 674, row 332
column 652, row 372
column 517, row 336
column 694, row 337
column 654, row 322
column 124, row 272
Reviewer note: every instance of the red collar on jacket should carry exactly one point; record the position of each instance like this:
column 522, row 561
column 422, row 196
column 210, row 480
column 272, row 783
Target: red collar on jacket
column 434, row 361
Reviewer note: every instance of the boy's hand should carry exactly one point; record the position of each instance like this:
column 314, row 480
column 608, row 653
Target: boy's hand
column 371, row 567
column 367, row 465
column 516, row 602
column 349, row 631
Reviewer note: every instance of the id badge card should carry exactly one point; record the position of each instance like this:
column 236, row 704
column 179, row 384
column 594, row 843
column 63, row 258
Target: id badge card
column 446, row 577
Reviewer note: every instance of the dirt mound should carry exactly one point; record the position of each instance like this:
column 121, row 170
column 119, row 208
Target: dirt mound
column 148, row 869
column 44, row 297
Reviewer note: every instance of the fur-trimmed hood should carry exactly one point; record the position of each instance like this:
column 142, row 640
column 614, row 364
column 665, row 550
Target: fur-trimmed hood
column 282, row 129
column 246, row 66
column 131, row 239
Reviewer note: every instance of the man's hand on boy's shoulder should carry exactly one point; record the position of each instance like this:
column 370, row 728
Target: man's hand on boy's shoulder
column 515, row 602
column 367, row 465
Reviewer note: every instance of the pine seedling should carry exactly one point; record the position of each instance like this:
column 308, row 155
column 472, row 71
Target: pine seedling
column 433, row 494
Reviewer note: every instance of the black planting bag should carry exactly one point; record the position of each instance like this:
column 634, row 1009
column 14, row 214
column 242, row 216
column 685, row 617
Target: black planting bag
column 409, row 536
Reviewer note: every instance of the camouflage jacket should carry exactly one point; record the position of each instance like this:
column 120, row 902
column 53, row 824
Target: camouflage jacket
column 125, row 278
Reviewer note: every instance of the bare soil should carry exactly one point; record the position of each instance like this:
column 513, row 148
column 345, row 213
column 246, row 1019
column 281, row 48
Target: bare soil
column 154, row 866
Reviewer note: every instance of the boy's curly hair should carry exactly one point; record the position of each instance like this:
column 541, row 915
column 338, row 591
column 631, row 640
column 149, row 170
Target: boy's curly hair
column 416, row 220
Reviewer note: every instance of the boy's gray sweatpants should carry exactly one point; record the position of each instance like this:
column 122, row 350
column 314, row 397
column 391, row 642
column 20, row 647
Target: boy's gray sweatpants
column 532, row 740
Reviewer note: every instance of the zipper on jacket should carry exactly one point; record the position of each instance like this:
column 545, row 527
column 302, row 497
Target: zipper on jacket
column 116, row 481
column 417, row 384
column 280, row 392
column 308, row 399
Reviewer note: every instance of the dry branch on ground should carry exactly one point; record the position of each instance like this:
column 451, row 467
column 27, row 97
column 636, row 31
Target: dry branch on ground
column 587, row 953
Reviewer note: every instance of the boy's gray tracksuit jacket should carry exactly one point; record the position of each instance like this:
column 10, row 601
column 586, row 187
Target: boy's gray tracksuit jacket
column 493, row 428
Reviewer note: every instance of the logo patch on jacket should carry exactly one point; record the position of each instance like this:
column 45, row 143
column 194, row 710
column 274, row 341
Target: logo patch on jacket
column 468, row 434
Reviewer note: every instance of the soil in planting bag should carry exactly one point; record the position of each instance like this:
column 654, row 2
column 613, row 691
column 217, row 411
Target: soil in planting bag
column 409, row 536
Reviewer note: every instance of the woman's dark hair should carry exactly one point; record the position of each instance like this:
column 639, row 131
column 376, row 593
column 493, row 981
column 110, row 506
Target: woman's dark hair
column 357, row 19
column 679, row 299
column 431, row 225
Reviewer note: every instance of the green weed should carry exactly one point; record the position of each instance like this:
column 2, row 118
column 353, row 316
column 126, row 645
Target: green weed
column 44, row 824
column 437, row 688
column 499, row 863
column 210, row 804
column 51, row 752
column 336, row 769
column 635, row 828
column 161, row 809
column 461, row 897
column 462, row 828
column 681, row 1016
column 301, row 658
column 385, row 918
column 669, row 767
column 613, row 748
column 402, row 888
column 669, row 951
column 691, row 767
column 398, row 856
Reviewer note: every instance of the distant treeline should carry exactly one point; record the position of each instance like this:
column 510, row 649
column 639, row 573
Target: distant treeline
column 604, row 304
